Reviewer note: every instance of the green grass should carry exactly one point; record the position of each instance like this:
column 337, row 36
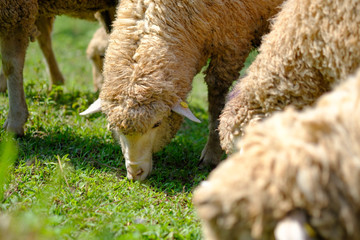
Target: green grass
column 68, row 180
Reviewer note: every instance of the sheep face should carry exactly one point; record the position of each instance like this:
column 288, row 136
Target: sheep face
column 138, row 148
column 142, row 130
column 96, row 54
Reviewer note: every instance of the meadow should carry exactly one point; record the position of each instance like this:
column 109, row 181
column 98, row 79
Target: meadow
column 66, row 178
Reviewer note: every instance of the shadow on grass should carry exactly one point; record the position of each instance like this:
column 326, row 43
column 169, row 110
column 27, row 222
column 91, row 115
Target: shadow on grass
column 57, row 98
column 175, row 167
column 83, row 151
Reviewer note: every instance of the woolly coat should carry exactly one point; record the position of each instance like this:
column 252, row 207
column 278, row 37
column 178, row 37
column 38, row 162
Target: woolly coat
column 306, row 160
column 23, row 13
column 158, row 46
column 312, row 45
column 41, row 29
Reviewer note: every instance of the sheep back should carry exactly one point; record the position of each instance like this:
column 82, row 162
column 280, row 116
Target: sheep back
column 311, row 46
column 157, row 47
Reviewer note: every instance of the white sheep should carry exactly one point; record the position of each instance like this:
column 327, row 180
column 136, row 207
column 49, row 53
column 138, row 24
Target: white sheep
column 297, row 171
column 155, row 50
column 18, row 25
column 96, row 53
column 312, row 45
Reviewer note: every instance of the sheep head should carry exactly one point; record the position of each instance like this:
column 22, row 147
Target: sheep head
column 142, row 131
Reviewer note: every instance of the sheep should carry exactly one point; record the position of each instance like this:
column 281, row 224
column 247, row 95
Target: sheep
column 96, row 53
column 311, row 46
column 98, row 44
column 154, row 51
column 17, row 27
column 296, row 169
column 45, row 26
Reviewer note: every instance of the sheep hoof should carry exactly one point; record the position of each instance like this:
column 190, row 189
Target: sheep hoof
column 210, row 156
column 57, row 81
column 18, row 131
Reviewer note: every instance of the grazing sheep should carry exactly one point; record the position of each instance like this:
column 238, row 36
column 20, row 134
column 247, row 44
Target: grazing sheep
column 98, row 44
column 17, row 27
column 311, row 43
column 96, row 53
column 155, row 50
column 295, row 170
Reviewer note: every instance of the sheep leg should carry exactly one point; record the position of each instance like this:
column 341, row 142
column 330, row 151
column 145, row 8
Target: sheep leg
column 13, row 49
column 3, row 84
column 212, row 152
column 45, row 25
column 222, row 71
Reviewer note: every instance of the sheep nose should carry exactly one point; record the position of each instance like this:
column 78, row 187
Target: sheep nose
column 136, row 175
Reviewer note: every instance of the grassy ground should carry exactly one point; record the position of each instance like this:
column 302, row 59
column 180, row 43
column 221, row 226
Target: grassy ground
column 68, row 177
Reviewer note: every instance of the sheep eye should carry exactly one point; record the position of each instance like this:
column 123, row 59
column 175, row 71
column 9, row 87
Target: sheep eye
column 157, row 124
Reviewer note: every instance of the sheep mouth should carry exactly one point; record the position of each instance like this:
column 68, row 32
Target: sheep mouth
column 140, row 172
column 137, row 174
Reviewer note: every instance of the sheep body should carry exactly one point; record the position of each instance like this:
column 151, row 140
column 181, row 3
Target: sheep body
column 21, row 14
column 155, row 50
column 44, row 25
column 294, row 161
column 311, row 46
column 18, row 25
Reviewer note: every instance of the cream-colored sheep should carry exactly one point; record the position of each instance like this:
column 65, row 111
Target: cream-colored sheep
column 295, row 170
column 312, row 43
column 18, row 25
column 98, row 44
column 155, row 50
column 96, row 53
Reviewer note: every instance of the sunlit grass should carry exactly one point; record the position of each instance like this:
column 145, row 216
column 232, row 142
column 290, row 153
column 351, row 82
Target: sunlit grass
column 68, row 180
column 89, row 196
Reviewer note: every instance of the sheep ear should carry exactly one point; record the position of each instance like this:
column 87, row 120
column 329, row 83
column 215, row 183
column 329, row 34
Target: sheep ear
column 94, row 108
column 183, row 109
